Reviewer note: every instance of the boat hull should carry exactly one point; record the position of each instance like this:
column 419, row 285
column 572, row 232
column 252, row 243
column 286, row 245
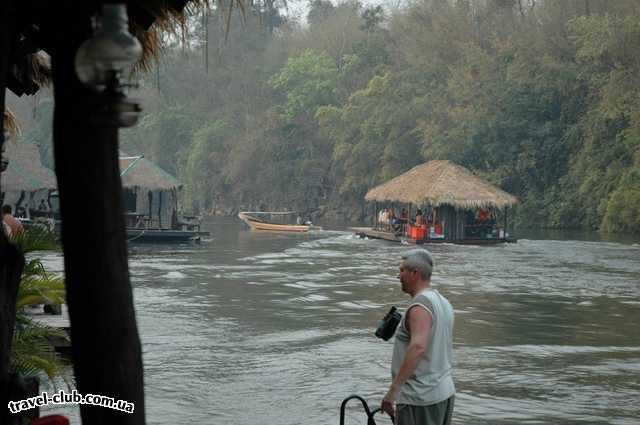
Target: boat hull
column 163, row 236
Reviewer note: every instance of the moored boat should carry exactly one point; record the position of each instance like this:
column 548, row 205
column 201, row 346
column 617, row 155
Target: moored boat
column 256, row 223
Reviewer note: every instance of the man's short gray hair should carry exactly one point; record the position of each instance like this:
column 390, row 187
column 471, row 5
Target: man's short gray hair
column 420, row 260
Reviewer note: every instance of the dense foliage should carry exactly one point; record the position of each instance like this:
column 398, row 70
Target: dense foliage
column 541, row 97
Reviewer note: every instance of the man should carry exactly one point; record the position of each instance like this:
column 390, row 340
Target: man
column 422, row 365
column 11, row 223
column 419, row 218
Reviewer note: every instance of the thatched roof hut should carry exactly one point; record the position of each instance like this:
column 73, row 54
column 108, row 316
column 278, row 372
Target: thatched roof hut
column 439, row 183
column 25, row 171
column 137, row 171
column 149, row 190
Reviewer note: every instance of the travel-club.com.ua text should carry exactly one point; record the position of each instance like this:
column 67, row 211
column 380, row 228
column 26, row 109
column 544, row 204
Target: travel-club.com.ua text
column 62, row 397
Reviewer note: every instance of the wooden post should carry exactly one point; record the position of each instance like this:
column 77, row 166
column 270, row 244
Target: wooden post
column 375, row 215
column 408, row 223
column 11, row 268
column 505, row 222
column 150, row 202
column 11, row 258
column 160, row 209
column 434, row 219
column 106, row 349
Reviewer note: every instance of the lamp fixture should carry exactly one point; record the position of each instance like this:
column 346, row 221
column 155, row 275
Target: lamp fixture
column 103, row 60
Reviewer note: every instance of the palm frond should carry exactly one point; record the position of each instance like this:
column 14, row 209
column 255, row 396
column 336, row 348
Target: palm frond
column 37, row 238
column 32, row 352
column 28, row 327
column 40, row 288
column 34, row 266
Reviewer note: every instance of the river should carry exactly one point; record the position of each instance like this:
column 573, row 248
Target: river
column 253, row 328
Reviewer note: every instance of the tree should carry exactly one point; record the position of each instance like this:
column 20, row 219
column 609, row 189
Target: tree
column 374, row 134
column 309, row 81
column 320, row 11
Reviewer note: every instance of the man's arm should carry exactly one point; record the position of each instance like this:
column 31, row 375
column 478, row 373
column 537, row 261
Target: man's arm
column 418, row 321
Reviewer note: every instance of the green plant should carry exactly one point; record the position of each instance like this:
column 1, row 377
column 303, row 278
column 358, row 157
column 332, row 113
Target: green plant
column 32, row 351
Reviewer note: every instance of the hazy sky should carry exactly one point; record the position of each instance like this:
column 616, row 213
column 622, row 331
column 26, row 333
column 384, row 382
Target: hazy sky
column 298, row 8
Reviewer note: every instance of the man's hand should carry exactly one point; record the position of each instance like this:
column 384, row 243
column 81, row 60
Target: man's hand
column 388, row 403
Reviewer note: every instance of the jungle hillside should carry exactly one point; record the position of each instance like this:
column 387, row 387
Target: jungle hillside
column 264, row 111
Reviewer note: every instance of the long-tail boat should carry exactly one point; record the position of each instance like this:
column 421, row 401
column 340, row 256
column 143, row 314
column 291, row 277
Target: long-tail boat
column 255, row 223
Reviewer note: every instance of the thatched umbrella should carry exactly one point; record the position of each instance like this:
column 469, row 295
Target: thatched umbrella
column 439, row 183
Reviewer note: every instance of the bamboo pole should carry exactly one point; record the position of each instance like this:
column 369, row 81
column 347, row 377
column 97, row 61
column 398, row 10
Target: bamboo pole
column 506, row 222
column 375, row 215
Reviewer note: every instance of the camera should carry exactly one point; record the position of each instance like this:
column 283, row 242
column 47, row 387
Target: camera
column 387, row 326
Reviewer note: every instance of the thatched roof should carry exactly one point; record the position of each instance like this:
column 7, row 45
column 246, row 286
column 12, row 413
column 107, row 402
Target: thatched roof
column 25, row 170
column 137, row 171
column 441, row 183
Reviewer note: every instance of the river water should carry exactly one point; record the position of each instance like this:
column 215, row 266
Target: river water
column 263, row 328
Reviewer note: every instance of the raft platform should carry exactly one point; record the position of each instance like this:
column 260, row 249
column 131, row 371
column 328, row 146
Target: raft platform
column 368, row 232
column 143, row 235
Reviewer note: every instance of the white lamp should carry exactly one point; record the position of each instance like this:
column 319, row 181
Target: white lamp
column 112, row 50
column 104, row 59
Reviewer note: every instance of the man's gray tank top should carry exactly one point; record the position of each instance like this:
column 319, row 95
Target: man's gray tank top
column 432, row 381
